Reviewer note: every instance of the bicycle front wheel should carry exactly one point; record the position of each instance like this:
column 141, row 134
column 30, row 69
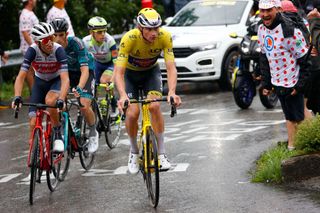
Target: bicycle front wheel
column 113, row 130
column 65, row 162
column 152, row 171
column 34, row 164
column 86, row 158
column 53, row 172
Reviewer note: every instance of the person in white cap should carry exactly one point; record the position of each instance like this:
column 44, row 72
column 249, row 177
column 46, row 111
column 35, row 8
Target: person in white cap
column 283, row 61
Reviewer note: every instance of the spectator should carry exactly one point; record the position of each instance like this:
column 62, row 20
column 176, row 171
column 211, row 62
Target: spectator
column 283, row 63
column 58, row 11
column 27, row 20
column 313, row 89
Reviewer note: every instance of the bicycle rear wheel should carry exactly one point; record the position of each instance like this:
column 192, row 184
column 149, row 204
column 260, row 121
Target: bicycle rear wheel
column 34, row 164
column 86, row 158
column 152, row 171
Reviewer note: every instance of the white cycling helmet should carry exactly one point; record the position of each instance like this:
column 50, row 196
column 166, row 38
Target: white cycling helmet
column 41, row 30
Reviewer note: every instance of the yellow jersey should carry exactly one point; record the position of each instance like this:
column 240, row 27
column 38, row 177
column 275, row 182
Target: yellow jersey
column 137, row 54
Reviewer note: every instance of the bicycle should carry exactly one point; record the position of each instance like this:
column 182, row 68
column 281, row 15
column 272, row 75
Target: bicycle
column 40, row 157
column 148, row 147
column 111, row 126
column 76, row 138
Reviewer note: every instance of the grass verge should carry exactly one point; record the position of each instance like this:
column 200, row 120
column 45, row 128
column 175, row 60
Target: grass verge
column 268, row 169
column 7, row 91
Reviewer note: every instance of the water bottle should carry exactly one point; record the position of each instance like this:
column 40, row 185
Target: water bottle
column 103, row 107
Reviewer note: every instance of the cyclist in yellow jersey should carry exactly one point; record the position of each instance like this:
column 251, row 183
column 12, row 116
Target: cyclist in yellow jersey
column 137, row 66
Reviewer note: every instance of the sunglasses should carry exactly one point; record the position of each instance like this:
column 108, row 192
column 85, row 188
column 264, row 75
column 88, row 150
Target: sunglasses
column 99, row 31
column 46, row 40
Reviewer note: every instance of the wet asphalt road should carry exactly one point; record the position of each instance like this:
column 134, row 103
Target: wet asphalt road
column 211, row 143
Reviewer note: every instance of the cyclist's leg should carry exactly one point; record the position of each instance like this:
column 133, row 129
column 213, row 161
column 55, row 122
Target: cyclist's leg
column 153, row 87
column 132, row 113
column 51, row 99
column 132, row 116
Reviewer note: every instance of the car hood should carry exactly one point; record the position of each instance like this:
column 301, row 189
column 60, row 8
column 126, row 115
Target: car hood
column 195, row 36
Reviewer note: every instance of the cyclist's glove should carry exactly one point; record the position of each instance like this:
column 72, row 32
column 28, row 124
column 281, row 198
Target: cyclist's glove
column 17, row 100
column 60, row 104
column 79, row 90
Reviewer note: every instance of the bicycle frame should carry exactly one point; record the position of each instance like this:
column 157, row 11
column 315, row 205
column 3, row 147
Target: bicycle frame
column 40, row 114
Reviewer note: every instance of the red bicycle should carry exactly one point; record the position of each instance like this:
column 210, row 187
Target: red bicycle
column 41, row 158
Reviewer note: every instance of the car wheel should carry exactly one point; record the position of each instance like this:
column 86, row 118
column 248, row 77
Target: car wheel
column 227, row 70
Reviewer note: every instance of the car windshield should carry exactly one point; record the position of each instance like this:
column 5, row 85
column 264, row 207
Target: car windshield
column 209, row 13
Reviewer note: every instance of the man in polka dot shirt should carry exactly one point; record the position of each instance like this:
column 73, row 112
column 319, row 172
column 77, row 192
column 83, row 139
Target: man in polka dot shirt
column 284, row 51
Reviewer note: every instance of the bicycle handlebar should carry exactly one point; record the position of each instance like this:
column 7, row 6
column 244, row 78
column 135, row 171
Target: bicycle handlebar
column 37, row 105
column 148, row 101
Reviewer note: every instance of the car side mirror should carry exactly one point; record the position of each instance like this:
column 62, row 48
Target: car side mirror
column 168, row 20
column 233, row 35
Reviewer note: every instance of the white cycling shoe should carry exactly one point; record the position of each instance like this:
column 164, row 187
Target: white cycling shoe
column 133, row 164
column 93, row 143
column 58, row 145
column 164, row 162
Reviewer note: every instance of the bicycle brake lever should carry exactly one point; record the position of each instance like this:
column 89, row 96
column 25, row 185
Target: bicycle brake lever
column 16, row 112
column 173, row 107
column 125, row 107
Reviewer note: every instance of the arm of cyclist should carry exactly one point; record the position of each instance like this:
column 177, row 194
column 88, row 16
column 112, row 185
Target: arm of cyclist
column 24, row 69
column 82, row 82
column 64, row 75
column 172, row 82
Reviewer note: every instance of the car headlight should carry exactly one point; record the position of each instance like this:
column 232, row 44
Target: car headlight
column 210, row 46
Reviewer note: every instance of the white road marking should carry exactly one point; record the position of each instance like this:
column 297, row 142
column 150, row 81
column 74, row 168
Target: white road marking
column 206, row 138
column 180, row 167
column 184, row 123
column 5, row 123
column 3, row 142
column 22, row 156
column 194, row 130
column 7, row 177
column 15, row 126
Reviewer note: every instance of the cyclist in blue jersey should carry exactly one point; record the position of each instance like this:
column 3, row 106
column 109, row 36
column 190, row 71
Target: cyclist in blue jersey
column 51, row 82
column 80, row 66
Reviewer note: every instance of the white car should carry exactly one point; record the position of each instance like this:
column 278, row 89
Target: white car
column 201, row 44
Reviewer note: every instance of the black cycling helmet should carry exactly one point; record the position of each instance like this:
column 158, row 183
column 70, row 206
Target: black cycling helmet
column 60, row 25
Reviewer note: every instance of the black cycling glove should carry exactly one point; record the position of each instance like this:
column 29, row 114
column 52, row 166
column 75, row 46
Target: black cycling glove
column 60, row 103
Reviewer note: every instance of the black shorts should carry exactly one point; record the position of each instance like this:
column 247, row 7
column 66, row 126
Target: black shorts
column 292, row 105
column 149, row 80
column 88, row 88
column 40, row 89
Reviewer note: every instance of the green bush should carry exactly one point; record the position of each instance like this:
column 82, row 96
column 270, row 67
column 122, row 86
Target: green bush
column 308, row 135
column 268, row 168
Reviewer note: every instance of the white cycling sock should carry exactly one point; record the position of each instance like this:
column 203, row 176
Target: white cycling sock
column 160, row 138
column 134, row 147
column 92, row 132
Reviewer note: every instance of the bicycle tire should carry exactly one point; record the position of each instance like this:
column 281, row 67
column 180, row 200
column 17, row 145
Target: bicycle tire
column 113, row 130
column 65, row 163
column 86, row 158
column 55, row 164
column 152, row 171
column 34, row 164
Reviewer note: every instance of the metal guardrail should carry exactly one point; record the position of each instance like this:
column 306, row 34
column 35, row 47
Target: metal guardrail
column 16, row 57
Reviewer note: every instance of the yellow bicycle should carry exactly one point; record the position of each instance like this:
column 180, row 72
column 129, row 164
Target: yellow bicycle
column 148, row 148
